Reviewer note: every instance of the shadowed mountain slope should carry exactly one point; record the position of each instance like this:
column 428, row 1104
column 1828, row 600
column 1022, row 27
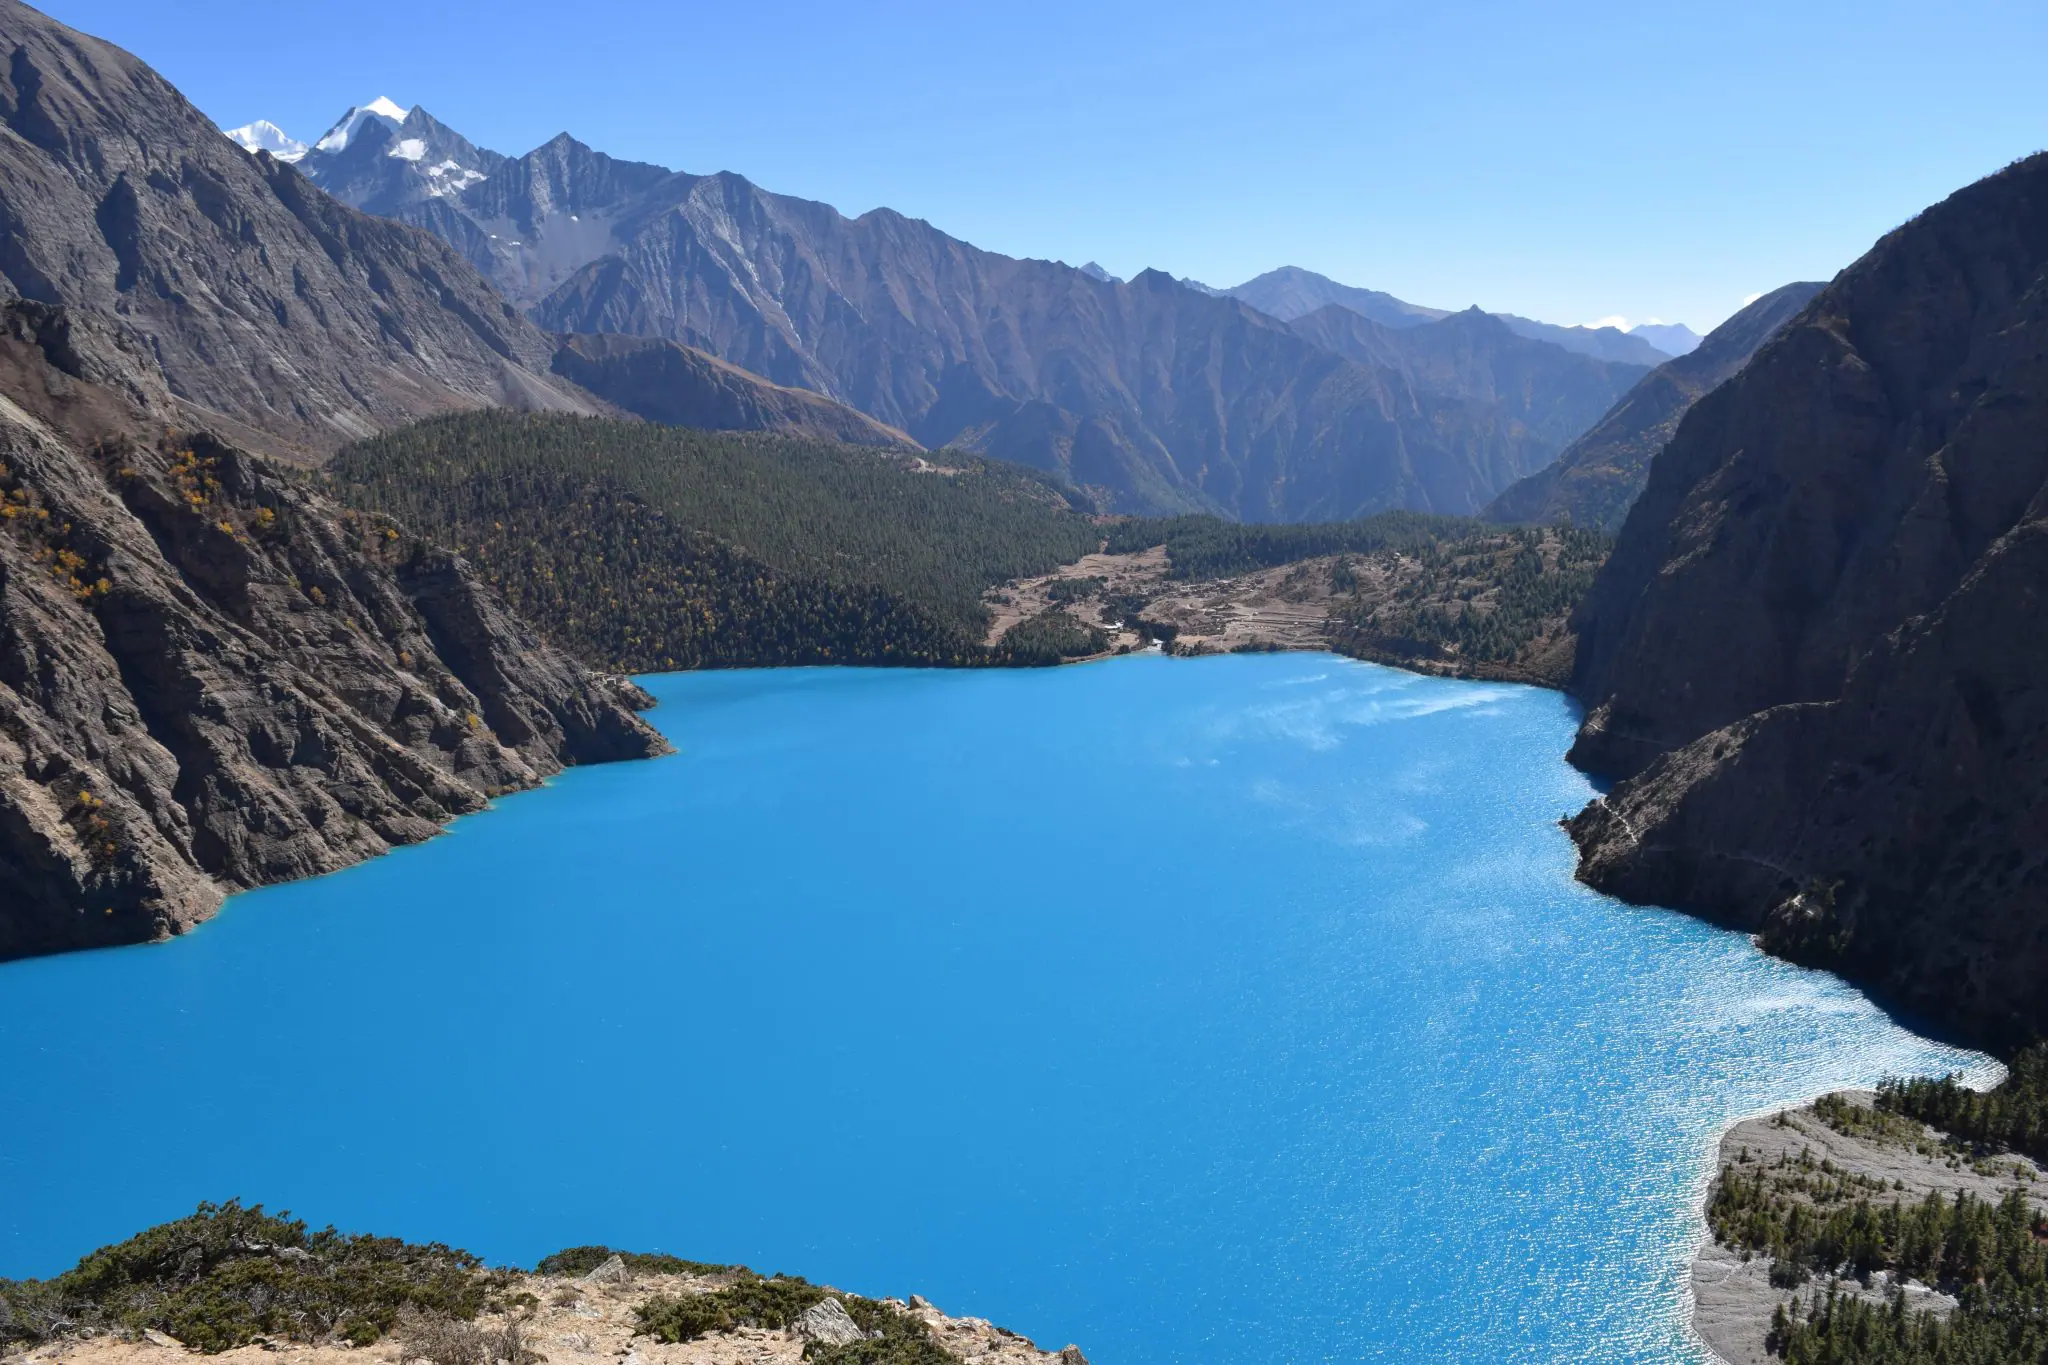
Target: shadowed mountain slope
column 1539, row 395
column 1815, row 654
column 1594, row 482
column 1152, row 393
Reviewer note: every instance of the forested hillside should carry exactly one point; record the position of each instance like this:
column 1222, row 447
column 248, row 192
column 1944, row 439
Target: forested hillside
column 1497, row 603
column 647, row 547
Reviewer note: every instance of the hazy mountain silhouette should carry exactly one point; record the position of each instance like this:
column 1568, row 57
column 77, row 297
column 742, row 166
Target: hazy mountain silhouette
column 1595, row 481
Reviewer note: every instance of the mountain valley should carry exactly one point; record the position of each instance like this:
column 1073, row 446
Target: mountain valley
column 346, row 484
column 1600, row 475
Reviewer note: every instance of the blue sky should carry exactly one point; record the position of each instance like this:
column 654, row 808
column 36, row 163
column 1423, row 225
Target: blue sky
column 1568, row 161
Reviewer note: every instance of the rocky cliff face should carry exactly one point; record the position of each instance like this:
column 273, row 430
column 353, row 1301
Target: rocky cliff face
column 268, row 308
column 1596, row 479
column 1815, row 655
column 211, row 678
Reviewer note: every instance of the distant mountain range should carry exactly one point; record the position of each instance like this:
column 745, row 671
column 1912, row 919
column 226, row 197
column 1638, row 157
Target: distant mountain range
column 265, row 136
column 1673, row 337
column 1291, row 292
column 1152, row 394
column 1598, row 477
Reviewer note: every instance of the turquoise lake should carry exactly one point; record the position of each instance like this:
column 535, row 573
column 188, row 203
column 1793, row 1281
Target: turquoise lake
column 1231, row 1010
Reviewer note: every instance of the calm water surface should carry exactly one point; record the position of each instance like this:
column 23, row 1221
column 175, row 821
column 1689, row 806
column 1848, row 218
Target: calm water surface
column 1240, row 1010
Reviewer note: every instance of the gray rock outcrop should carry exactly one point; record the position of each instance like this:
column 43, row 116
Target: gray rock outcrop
column 828, row 1323
column 611, row 1270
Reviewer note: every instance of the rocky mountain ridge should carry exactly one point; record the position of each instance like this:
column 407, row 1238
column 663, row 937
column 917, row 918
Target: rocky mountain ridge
column 263, row 308
column 211, row 677
column 384, row 164
column 1811, row 659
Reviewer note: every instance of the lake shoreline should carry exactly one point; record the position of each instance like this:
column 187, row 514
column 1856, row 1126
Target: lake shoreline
column 740, row 858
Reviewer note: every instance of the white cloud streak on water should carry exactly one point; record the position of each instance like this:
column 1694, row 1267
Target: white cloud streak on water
column 1352, row 823
column 1319, row 722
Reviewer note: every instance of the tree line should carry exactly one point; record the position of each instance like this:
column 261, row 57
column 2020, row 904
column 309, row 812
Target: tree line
column 1200, row 546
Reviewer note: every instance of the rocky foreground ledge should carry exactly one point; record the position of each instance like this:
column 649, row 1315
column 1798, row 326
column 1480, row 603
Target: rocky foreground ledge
column 1801, row 1211
column 244, row 1286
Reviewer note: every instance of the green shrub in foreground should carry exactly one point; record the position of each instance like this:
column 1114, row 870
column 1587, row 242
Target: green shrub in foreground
column 227, row 1274
column 894, row 1338
column 752, row 1301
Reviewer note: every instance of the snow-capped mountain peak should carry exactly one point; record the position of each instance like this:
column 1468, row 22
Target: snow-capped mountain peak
column 342, row 133
column 265, row 136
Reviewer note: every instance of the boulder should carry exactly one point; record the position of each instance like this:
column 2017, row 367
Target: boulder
column 611, row 1271
column 828, row 1323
